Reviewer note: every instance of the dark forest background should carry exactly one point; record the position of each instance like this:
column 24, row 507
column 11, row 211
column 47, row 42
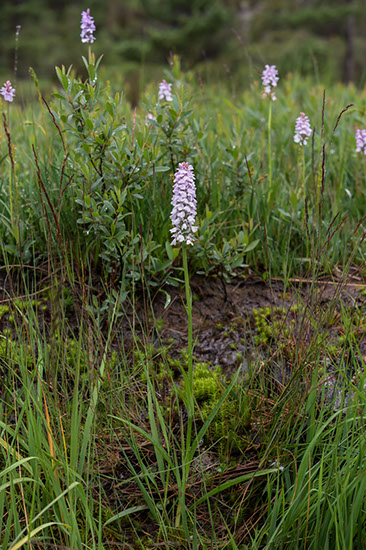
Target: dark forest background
column 222, row 39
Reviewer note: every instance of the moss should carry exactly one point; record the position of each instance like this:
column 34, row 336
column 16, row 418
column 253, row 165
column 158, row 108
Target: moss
column 16, row 306
column 16, row 353
column 274, row 325
column 228, row 427
column 276, row 328
column 22, row 304
column 159, row 324
column 234, row 416
column 3, row 310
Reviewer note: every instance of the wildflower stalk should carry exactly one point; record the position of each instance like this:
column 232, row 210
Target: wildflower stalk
column 303, row 172
column 183, row 218
column 269, row 151
column 12, row 178
column 12, row 181
column 87, row 32
column 302, row 133
column 181, row 515
column 189, row 381
column 11, row 200
column 269, row 80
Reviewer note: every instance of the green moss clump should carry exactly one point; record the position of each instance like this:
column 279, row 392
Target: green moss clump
column 3, row 310
column 232, row 419
column 274, row 325
column 12, row 351
column 22, row 304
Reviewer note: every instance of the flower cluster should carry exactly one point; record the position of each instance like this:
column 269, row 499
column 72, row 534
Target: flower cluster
column 361, row 141
column 302, row 129
column 269, row 80
column 149, row 117
column 184, row 205
column 7, row 91
column 87, row 27
column 165, row 91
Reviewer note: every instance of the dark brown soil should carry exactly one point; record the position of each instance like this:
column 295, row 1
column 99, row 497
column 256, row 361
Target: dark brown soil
column 223, row 326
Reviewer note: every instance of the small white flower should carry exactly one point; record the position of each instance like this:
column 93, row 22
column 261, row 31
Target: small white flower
column 165, row 91
column 87, row 27
column 275, row 464
column 361, row 141
column 269, row 80
column 302, row 129
column 149, row 117
column 7, row 91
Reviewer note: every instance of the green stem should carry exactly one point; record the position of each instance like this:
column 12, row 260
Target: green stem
column 11, row 175
column 13, row 199
column 189, row 380
column 189, row 401
column 269, row 149
column 303, row 171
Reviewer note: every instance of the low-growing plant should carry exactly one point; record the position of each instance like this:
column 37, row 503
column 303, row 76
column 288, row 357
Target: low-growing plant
column 233, row 418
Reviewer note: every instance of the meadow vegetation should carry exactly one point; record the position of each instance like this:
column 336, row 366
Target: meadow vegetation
column 105, row 440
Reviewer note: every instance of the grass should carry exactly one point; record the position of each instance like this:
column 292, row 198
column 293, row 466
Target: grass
column 105, row 440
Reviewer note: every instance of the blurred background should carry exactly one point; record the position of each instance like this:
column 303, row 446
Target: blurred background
column 223, row 40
